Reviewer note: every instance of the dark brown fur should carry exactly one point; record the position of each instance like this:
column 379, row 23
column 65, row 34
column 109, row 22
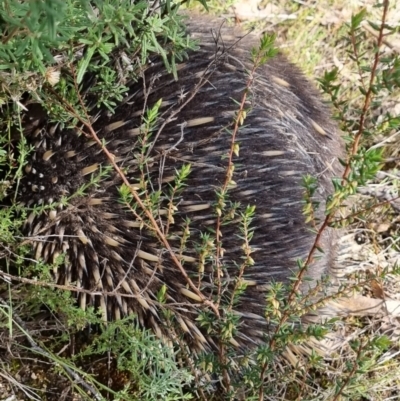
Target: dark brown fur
column 288, row 133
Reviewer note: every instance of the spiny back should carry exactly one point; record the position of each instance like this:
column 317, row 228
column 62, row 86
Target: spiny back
column 108, row 246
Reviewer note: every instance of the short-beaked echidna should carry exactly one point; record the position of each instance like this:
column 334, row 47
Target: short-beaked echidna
column 110, row 247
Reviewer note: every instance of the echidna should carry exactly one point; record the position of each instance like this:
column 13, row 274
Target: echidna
column 112, row 250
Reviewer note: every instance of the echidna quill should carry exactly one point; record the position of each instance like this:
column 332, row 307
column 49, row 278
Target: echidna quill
column 113, row 251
